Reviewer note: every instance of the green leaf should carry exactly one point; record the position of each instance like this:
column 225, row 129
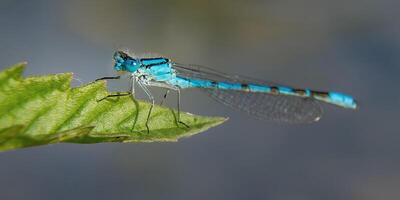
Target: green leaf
column 45, row 110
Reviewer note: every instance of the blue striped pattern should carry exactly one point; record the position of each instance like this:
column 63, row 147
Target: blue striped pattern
column 160, row 69
column 330, row 97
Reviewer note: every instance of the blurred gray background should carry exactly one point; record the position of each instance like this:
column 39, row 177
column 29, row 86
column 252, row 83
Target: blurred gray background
column 351, row 46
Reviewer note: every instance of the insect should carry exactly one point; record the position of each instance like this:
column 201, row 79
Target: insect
column 261, row 99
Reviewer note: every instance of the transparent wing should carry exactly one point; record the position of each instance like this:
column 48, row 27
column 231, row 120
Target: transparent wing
column 280, row 108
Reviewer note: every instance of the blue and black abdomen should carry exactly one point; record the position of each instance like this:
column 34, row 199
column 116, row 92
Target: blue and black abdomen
column 328, row 97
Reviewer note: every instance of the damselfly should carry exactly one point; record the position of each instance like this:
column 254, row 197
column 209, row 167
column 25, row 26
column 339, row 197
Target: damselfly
column 259, row 98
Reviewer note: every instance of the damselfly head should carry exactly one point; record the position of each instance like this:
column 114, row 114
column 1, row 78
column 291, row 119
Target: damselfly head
column 123, row 62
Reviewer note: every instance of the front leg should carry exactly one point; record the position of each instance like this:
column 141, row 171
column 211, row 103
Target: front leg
column 132, row 91
column 108, row 78
column 114, row 95
column 123, row 76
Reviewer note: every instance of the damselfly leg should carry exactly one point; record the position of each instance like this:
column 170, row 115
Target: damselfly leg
column 164, row 97
column 148, row 93
column 175, row 88
column 179, row 108
column 119, row 94
column 108, row 78
column 115, row 95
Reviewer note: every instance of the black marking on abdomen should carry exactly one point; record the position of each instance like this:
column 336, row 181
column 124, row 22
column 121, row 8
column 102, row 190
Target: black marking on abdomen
column 274, row 90
column 300, row 92
column 320, row 94
column 245, row 87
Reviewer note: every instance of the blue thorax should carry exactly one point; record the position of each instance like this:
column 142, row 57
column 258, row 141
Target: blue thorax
column 157, row 68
